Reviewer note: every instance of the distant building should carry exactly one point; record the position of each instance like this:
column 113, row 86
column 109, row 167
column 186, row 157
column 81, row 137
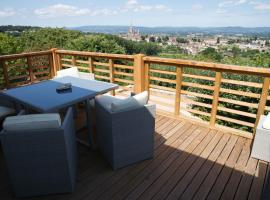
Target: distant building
column 133, row 34
column 172, row 41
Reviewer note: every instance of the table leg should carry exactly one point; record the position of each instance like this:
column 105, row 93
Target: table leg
column 89, row 124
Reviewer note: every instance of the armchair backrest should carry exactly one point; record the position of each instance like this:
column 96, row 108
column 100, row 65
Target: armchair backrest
column 37, row 122
column 5, row 101
column 73, row 71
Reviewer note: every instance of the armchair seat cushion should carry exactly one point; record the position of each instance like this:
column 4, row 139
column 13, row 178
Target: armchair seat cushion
column 5, row 111
column 32, row 122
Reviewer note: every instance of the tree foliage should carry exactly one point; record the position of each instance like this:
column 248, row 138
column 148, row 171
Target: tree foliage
column 8, row 44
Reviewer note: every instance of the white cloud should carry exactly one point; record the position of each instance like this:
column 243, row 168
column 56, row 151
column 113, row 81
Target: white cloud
column 196, row 7
column 261, row 6
column 63, row 10
column 135, row 6
column 221, row 11
column 7, row 12
column 231, row 3
column 131, row 2
column 60, row 10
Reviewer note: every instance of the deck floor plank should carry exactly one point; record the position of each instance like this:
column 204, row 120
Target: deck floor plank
column 258, row 181
column 209, row 181
column 166, row 176
column 124, row 192
column 213, row 150
column 235, row 178
column 207, row 168
column 178, row 154
column 224, row 176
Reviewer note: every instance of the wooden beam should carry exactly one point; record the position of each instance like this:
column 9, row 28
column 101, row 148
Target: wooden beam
column 30, row 69
column 95, row 54
column 259, row 71
column 91, row 65
column 215, row 99
column 111, row 69
column 51, row 65
column 73, row 61
column 147, row 78
column 54, row 61
column 179, row 77
column 58, row 61
column 139, row 73
column 263, row 100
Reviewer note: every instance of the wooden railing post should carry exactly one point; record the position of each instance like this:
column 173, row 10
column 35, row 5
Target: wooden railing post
column 91, row 64
column 215, row 98
column 179, row 76
column 111, row 68
column 263, row 100
column 54, row 58
column 139, row 73
column 51, row 64
column 146, row 77
column 73, row 61
column 58, row 61
column 30, row 69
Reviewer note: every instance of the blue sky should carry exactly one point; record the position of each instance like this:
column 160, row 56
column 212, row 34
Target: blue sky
column 60, row 13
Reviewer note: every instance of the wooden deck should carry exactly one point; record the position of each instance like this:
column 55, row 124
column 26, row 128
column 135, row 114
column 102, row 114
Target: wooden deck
column 191, row 162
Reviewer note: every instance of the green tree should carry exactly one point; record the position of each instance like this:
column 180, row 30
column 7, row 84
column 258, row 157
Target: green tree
column 8, row 44
column 211, row 54
column 95, row 43
column 46, row 38
column 181, row 40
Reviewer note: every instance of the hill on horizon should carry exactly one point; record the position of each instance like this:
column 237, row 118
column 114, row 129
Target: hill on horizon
column 175, row 30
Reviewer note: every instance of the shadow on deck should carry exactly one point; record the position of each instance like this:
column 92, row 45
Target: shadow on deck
column 191, row 162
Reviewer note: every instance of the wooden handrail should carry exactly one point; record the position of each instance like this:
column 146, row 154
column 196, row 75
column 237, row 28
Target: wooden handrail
column 95, row 54
column 259, row 71
column 23, row 55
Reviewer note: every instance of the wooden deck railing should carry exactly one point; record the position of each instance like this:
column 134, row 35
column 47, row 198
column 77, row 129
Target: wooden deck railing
column 222, row 96
column 25, row 68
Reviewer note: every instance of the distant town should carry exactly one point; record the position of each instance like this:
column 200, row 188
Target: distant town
column 191, row 40
column 196, row 42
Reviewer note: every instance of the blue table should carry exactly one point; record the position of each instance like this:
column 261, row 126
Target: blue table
column 43, row 97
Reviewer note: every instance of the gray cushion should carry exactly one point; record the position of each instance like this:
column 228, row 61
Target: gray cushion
column 266, row 122
column 5, row 111
column 84, row 75
column 114, row 104
column 32, row 122
column 72, row 71
column 105, row 101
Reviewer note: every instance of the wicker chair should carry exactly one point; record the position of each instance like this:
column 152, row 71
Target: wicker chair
column 127, row 136
column 41, row 156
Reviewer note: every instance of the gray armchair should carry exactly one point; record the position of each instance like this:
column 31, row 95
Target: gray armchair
column 40, row 153
column 125, row 137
